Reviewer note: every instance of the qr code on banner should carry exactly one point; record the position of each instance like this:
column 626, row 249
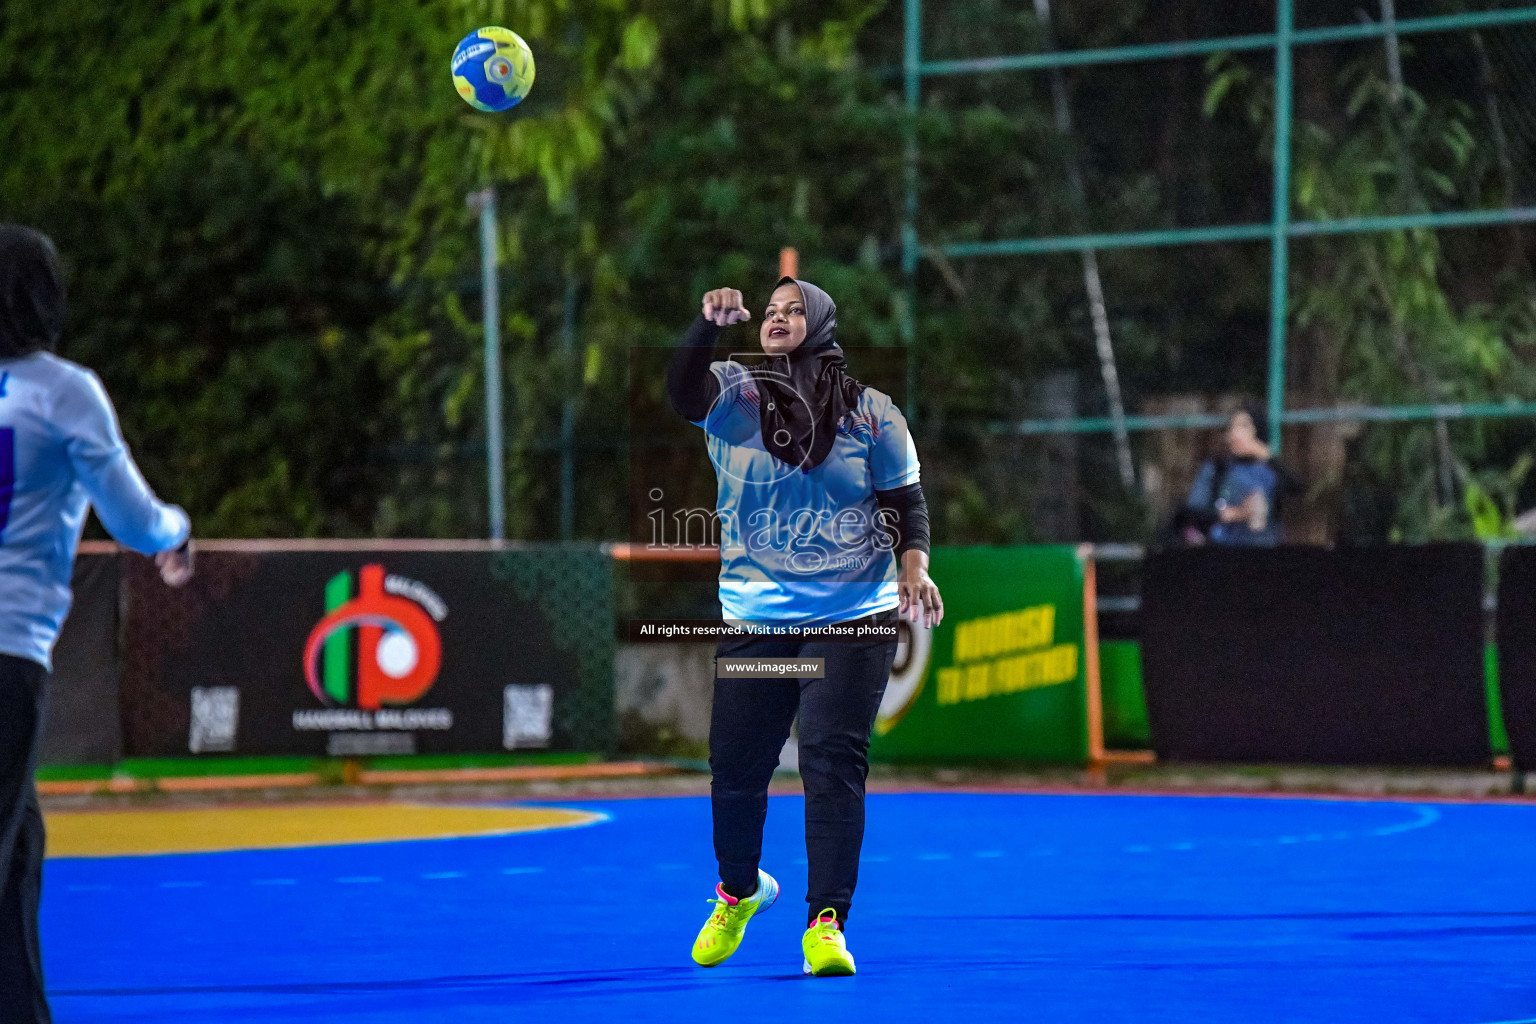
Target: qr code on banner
column 527, row 716
column 215, row 719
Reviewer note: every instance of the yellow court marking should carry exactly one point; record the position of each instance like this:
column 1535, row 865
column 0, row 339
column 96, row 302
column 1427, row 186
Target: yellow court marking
column 207, row 830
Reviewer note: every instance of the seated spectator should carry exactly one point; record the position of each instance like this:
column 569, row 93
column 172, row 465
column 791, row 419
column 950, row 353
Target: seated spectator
column 1236, row 497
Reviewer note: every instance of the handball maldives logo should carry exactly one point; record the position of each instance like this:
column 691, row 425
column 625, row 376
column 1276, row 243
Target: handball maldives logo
column 375, row 647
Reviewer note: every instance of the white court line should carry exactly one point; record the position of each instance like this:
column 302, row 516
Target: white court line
column 1424, row 817
column 521, row 871
column 438, row 876
column 358, row 879
column 1427, row 817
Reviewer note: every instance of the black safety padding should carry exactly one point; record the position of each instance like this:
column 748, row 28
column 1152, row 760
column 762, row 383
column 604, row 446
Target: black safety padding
column 82, row 723
column 81, row 720
column 1303, row 655
column 370, row 652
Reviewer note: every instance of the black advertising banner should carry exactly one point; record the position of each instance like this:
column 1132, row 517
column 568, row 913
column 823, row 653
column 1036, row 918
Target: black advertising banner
column 1517, row 652
column 81, row 724
column 347, row 653
column 1309, row 655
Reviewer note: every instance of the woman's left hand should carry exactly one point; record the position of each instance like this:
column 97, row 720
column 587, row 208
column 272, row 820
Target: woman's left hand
column 176, row 565
column 918, row 596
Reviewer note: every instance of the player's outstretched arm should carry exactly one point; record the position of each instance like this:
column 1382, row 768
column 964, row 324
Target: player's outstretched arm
column 691, row 386
column 123, row 500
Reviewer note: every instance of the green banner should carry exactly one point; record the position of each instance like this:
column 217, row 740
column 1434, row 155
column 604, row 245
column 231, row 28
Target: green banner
column 1002, row 678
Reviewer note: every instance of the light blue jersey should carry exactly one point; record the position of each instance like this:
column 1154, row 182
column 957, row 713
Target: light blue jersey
column 797, row 545
column 61, row 452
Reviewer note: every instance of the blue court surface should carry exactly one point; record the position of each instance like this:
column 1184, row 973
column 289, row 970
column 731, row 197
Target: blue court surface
column 970, row 907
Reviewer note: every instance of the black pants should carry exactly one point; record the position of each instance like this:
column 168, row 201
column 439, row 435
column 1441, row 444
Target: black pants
column 751, row 720
column 21, row 844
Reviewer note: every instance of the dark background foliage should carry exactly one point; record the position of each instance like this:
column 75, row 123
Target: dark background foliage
column 273, row 267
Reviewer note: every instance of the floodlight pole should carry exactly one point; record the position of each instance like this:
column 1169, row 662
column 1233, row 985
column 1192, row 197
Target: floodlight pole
column 1098, row 312
column 490, row 293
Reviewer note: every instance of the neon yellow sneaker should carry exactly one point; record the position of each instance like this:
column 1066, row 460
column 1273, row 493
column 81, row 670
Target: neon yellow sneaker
column 826, row 951
column 722, row 933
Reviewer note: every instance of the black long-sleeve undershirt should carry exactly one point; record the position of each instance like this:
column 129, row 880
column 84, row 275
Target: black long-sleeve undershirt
column 691, row 386
column 904, row 518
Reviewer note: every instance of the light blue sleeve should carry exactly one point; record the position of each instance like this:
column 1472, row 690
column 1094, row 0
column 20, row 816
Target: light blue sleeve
column 124, row 503
column 734, row 418
column 893, row 462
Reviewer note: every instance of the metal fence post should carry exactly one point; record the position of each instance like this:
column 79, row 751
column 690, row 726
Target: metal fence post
column 912, row 84
column 490, row 292
column 1279, row 238
column 911, row 70
column 568, row 410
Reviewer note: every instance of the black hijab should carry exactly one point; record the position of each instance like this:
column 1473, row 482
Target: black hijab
column 805, row 393
column 31, row 292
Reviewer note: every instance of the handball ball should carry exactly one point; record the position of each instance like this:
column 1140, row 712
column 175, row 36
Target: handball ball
column 493, row 69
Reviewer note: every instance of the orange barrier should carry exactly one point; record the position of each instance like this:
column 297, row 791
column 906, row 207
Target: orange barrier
column 645, row 553
column 1098, row 756
column 176, row 784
